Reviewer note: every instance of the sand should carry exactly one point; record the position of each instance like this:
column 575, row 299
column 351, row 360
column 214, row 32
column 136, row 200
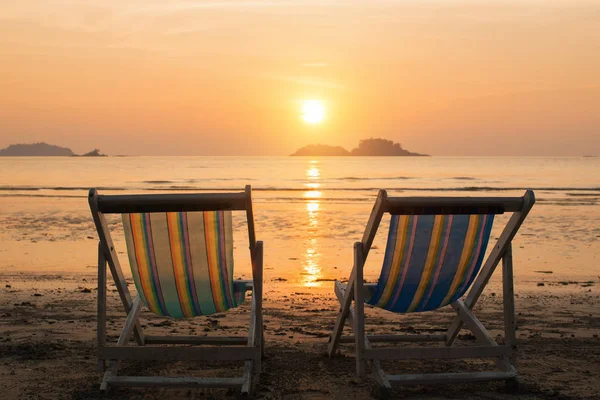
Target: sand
column 47, row 343
column 48, row 287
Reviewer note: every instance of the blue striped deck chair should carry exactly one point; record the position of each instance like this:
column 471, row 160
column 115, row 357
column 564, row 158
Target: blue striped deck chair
column 434, row 258
column 180, row 250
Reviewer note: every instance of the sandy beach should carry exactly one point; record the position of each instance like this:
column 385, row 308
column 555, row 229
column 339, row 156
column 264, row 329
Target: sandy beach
column 47, row 348
column 442, row 152
column 308, row 223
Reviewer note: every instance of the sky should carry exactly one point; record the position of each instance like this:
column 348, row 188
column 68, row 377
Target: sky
column 189, row 77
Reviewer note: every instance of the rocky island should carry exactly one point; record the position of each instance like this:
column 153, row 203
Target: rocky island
column 366, row 147
column 43, row 150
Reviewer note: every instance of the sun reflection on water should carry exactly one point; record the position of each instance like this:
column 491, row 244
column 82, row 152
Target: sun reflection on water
column 312, row 268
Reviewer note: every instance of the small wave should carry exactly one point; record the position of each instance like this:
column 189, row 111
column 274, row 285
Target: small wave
column 58, row 188
column 571, row 191
column 464, row 178
column 384, row 178
column 55, row 196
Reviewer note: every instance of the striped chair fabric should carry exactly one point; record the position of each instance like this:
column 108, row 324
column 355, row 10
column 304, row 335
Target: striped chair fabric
column 182, row 262
column 430, row 260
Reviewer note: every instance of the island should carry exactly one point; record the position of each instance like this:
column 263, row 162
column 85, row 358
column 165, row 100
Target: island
column 93, row 153
column 44, row 150
column 366, row 147
column 36, row 150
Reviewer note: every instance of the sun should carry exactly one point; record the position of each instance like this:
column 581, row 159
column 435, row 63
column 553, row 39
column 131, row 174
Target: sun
column 313, row 111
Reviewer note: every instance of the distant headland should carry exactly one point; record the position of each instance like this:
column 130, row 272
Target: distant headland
column 44, row 150
column 366, row 147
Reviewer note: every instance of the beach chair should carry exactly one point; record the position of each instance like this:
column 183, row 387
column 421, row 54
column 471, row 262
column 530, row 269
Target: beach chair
column 434, row 255
column 180, row 249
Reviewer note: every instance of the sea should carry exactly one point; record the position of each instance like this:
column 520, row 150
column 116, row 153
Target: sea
column 309, row 211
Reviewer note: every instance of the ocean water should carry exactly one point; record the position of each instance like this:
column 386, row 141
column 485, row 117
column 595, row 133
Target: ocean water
column 308, row 211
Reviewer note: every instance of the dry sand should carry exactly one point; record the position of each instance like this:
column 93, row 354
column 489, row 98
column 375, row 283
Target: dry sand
column 47, row 343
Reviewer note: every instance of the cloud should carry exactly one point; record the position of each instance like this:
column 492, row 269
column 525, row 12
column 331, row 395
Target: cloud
column 309, row 82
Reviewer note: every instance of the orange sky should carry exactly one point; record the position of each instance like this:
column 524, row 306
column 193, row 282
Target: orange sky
column 445, row 77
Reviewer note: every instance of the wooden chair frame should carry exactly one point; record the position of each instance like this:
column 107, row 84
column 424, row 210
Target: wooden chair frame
column 248, row 349
column 504, row 355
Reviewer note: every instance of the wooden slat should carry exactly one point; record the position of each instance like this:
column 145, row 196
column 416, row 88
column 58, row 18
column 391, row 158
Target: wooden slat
column 458, row 377
column 180, row 353
column 359, row 307
column 146, row 203
column 247, row 378
column 453, row 205
column 101, row 321
column 131, row 321
column 250, row 220
column 473, row 323
column 183, row 382
column 191, row 340
column 509, row 303
column 395, row 353
column 397, row 338
column 373, row 223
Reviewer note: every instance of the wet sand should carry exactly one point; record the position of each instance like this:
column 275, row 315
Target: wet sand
column 47, row 343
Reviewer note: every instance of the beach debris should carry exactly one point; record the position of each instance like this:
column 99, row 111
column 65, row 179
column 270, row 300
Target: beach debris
column 161, row 323
column 544, row 272
column 37, row 294
column 25, row 304
column 86, row 290
column 541, row 284
column 8, row 286
column 279, row 280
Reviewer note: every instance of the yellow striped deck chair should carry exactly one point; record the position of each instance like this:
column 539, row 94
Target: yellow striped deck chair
column 434, row 257
column 180, row 250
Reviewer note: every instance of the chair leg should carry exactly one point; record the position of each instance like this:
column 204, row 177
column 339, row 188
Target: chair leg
column 378, row 372
column 359, row 306
column 509, row 304
column 345, row 300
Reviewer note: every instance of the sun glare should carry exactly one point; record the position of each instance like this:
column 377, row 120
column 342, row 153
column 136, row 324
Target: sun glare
column 313, row 111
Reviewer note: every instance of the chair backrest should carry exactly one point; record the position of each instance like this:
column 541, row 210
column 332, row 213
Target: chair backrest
column 180, row 248
column 430, row 260
column 435, row 247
